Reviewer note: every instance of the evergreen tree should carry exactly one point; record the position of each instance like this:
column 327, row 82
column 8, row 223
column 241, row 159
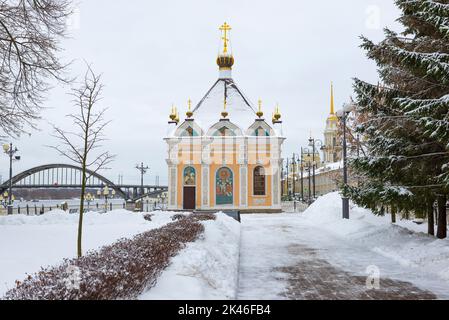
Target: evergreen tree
column 407, row 131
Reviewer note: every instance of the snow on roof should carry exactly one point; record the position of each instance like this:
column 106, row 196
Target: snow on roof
column 209, row 109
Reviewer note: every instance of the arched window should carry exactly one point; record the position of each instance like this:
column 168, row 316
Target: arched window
column 224, row 132
column 189, row 177
column 189, row 132
column 261, row 132
column 259, row 182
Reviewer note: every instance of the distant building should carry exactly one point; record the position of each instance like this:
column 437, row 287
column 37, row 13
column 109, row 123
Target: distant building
column 332, row 146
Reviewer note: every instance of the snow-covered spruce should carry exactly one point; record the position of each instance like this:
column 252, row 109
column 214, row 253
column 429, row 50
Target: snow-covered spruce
column 122, row 270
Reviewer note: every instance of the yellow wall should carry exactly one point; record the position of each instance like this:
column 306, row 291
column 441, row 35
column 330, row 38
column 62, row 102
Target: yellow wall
column 259, row 154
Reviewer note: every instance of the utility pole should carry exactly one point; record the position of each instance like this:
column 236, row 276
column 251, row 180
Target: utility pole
column 143, row 170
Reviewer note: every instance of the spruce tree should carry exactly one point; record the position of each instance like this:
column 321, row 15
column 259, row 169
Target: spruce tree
column 407, row 131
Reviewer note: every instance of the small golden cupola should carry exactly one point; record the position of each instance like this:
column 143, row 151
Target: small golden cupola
column 189, row 112
column 277, row 115
column 259, row 112
column 173, row 114
column 225, row 59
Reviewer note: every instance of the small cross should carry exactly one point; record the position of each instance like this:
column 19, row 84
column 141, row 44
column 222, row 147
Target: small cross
column 225, row 28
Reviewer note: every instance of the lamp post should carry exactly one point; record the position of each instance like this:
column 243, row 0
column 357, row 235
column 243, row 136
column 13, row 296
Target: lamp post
column 302, row 175
column 89, row 197
column 105, row 192
column 313, row 143
column 10, row 151
column 343, row 115
column 143, row 170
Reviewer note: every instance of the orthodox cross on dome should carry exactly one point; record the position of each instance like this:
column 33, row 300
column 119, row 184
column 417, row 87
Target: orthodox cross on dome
column 225, row 28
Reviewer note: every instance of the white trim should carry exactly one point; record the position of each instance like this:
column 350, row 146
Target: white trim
column 243, row 186
column 205, row 188
column 184, row 186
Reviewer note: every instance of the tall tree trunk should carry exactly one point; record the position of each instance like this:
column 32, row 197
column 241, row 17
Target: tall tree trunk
column 442, row 217
column 80, row 222
column 393, row 214
column 430, row 219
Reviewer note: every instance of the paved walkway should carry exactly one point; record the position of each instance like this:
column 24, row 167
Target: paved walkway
column 279, row 261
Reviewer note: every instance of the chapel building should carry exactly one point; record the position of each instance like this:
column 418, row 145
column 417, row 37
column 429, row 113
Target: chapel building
column 224, row 155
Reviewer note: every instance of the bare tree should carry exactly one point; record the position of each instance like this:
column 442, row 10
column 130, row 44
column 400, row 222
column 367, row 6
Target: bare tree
column 30, row 31
column 81, row 145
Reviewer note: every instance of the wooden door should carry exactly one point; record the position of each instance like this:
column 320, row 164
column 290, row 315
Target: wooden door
column 189, row 198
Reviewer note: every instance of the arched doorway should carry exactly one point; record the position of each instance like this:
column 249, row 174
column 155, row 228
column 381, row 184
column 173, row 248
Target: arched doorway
column 224, row 187
column 189, row 191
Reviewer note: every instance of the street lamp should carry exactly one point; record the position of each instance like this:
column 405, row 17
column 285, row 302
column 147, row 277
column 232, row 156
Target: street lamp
column 343, row 116
column 10, row 151
column 89, row 197
column 314, row 143
column 105, row 192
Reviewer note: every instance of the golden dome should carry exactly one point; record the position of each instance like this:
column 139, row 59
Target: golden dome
column 225, row 62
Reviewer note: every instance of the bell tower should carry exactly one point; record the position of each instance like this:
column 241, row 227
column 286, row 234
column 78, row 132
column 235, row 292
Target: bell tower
column 332, row 150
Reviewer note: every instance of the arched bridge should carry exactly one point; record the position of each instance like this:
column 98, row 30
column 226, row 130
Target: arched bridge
column 54, row 176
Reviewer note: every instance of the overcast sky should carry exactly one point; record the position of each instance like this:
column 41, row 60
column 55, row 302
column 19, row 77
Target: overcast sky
column 155, row 53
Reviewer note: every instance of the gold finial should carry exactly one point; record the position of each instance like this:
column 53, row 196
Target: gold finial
column 173, row 113
column 260, row 112
column 225, row 28
column 277, row 113
column 332, row 99
column 225, row 113
column 189, row 112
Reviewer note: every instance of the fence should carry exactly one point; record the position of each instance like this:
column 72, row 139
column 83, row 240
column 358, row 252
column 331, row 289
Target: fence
column 37, row 209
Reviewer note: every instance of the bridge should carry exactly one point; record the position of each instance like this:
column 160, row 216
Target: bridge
column 66, row 176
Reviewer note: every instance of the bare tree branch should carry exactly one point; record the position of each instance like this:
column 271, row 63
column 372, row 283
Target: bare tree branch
column 30, row 31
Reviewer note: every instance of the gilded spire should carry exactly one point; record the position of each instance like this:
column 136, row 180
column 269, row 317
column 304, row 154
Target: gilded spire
column 332, row 99
column 332, row 116
column 260, row 112
column 189, row 112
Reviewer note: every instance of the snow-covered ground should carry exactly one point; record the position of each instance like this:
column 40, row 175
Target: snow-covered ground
column 400, row 252
column 28, row 243
column 406, row 243
column 206, row 269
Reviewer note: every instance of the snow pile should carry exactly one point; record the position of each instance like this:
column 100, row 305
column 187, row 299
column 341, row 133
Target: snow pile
column 206, row 269
column 405, row 243
column 122, row 270
column 28, row 243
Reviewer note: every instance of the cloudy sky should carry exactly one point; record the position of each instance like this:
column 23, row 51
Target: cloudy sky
column 155, row 53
